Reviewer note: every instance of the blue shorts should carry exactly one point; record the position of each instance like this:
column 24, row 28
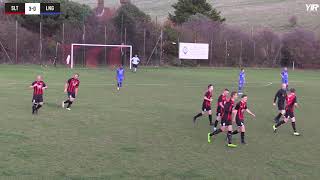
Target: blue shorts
column 241, row 84
column 285, row 81
column 120, row 80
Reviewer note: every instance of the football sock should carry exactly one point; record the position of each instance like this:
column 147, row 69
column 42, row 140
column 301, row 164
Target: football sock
column 235, row 132
column 216, row 132
column 294, row 126
column 198, row 115
column 280, row 123
column 216, row 123
column 229, row 137
column 210, row 119
column 67, row 101
column 33, row 108
column 242, row 136
column 38, row 107
column 69, row 105
column 278, row 116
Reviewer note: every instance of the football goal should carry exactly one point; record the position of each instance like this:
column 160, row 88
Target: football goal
column 94, row 55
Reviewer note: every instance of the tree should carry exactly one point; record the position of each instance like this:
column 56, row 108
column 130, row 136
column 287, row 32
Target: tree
column 184, row 9
column 72, row 12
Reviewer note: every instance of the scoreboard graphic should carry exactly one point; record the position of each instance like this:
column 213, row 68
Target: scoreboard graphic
column 33, row 8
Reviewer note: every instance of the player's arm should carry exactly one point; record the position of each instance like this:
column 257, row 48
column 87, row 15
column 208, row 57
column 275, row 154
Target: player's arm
column 251, row 113
column 275, row 98
column 66, row 87
column 76, row 91
column 296, row 102
column 44, row 87
column 207, row 99
column 32, row 85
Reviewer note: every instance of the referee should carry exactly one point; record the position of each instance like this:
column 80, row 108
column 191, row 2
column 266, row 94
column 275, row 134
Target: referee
column 281, row 97
column 135, row 62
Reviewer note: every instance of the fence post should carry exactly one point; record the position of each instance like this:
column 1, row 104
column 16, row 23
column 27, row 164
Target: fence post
column 40, row 44
column 16, row 42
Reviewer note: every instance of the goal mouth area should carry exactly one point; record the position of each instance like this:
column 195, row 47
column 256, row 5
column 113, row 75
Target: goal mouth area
column 75, row 46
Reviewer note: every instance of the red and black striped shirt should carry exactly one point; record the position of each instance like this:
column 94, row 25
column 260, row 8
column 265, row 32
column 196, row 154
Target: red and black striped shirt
column 221, row 100
column 291, row 100
column 38, row 87
column 73, row 84
column 209, row 96
column 240, row 107
column 228, row 107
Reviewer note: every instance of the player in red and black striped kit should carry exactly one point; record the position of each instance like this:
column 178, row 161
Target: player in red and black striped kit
column 38, row 87
column 206, row 105
column 292, row 102
column 220, row 106
column 226, row 120
column 239, row 111
column 71, row 88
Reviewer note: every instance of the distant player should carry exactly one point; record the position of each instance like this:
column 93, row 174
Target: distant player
column 226, row 120
column 281, row 97
column 242, row 81
column 291, row 101
column 135, row 62
column 206, row 105
column 220, row 107
column 71, row 88
column 38, row 87
column 120, row 76
column 240, row 108
column 285, row 77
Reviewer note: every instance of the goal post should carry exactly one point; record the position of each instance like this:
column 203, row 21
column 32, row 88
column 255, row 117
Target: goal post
column 72, row 62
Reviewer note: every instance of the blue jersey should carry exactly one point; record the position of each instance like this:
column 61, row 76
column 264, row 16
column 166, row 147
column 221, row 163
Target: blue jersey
column 120, row 73
column 242, row 77
column 285, row 76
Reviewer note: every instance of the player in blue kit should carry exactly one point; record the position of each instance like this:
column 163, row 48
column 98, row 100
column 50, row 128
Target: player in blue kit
column 285, row 77
column 120, row 76
column 242, row 81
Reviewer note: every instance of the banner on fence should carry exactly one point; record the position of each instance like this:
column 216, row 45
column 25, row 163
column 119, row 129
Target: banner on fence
column 193, row 51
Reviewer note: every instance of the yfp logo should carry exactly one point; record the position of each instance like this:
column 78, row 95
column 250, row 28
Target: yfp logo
column 312, row 7
column 185, row 50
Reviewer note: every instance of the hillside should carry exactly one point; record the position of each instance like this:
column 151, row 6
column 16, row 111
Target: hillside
column 273, row 14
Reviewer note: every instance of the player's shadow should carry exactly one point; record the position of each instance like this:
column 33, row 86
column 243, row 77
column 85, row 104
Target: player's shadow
column 52, row 105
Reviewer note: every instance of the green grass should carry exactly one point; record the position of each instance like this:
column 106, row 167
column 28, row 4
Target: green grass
column 246, row 14
column 146, row 132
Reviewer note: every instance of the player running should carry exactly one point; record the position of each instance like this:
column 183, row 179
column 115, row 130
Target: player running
column 281, row 97
column 226, row 120
column 206, row 105
column 38, row 87
column 120, row 76
column 239, row 117
column 135, row 62
column 242, row 81
column 285, row 77
column 71, row 88
column 220, row 106
column 291, row 104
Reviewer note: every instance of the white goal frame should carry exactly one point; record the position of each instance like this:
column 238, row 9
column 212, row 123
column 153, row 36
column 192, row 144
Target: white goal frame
column 98, row 45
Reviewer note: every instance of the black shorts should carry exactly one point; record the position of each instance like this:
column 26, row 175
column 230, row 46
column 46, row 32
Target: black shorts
column 239, row 122
column 206, row 108
column 281, row 106
column 289, row 114
column 72, row 94
column 135, row 65
column 37, row 98
column 226, row 122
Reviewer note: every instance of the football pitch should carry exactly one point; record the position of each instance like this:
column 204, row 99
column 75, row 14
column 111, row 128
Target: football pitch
column 145, row 131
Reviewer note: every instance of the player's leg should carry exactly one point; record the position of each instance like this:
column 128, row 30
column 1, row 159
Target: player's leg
column 66, row 101
column 210, row 117
column 204, row 110
column 229, row 135
column 34, row 105
column 281, row 113
column 119, row 84
column 293, row 123
column 72, row 98
column 240, row 88
column 243, row 131
column 285, row 120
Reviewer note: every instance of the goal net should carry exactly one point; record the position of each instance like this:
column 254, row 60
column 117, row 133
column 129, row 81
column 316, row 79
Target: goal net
column 99, row 55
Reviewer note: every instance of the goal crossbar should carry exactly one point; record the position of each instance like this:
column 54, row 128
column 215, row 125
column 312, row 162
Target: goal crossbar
column 98, row 45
